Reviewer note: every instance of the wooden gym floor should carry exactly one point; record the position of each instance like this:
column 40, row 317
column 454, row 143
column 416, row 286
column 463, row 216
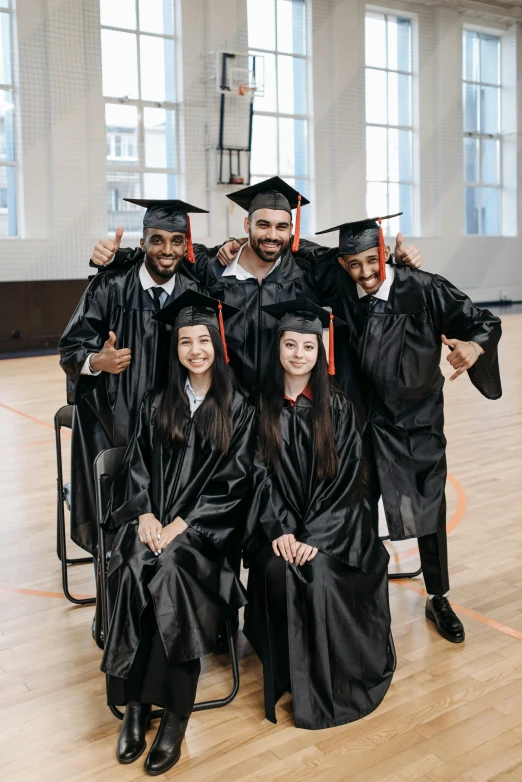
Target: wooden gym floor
column 452, row 713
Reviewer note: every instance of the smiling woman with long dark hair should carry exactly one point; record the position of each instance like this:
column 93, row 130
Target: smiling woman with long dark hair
column 175, row 511
column 317, row 613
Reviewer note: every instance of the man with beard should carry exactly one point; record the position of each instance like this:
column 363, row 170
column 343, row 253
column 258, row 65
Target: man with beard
column 113, row 350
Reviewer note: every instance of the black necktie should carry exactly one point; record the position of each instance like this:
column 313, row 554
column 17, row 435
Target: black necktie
column 156, row 292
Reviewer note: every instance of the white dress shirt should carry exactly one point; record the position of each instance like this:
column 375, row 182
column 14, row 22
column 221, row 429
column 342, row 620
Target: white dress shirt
column 234, row 269
column 147, row 283
column 194, row 400
column 384, row 291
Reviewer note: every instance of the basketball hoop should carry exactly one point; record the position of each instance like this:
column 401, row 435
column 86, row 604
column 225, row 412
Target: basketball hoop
column 246, row 90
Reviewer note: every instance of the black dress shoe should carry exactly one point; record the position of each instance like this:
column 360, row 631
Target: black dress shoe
column 450, row 627
column 136, row 722
column 221, row 645
column 166, row 749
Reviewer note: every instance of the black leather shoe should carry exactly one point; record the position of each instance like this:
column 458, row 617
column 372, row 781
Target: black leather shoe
column 450, row 627
column 221, row 645
column 166, row 749
column 136, row 722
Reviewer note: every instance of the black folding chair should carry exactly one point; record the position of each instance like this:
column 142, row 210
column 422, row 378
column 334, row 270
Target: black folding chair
column 106, row 466
column 412, row 574
column 63, row 418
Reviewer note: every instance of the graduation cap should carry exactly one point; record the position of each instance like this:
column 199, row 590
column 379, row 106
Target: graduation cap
column 360, row 235
column 273, row 193
column 169, row 215
column 196, row 309
column 306, row 317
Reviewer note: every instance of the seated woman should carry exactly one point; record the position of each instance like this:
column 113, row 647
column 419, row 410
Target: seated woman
column 174, row 509
column 317, row 614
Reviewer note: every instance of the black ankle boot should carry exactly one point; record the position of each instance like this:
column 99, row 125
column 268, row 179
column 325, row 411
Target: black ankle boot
column 136, row 721
column 166, row 749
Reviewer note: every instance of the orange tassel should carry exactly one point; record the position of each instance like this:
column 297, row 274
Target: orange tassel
column 222, row 331
column 382, row 260
column 191, row 258
column 331, row 360
column 297, row 232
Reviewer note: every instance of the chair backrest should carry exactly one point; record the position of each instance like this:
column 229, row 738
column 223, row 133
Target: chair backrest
column 64, row 417
column 106, row 466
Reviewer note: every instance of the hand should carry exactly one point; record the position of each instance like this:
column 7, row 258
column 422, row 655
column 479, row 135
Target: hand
column 149, row 531
column 171, row 531
column 407, row 254
column 105, row 249
column 305, row 553
column 109, row 359
column 285, row 546
column 228, row 252
column 463, row 355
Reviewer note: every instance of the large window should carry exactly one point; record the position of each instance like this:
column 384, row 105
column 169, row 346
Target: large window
column 140, row 89
column 389, row 119
column 482, row 133
column 277, row 31
column 8, row 221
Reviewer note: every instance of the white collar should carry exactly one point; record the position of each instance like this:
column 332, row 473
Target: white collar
column 237, row 271
column 147, row 282
column 190, row 390
column 384, row 291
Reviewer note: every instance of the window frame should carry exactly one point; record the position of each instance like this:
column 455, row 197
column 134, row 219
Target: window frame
column 9, row 10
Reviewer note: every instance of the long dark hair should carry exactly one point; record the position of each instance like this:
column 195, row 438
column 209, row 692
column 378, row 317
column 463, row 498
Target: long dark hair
column 214, row 418
column 271, row 405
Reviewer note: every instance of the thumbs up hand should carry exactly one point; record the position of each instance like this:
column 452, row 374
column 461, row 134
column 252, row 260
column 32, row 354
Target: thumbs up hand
column 105, row 249
column 109, row 359
column 463, row 354
column 406, row 254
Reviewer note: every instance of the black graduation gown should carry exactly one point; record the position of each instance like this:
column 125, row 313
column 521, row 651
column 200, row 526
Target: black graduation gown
column 341, row 652
column 397, row 347
column 251, row 331
column 106, row 405
column 191, row 584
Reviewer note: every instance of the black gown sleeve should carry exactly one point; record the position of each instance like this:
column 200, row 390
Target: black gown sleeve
column 267, row 515
column 322, row 266
column 455, row 316
column 334, row 519
column 85, row 333
column 130, row 495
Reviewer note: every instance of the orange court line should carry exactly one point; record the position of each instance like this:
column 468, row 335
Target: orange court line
column 485, row 620
column 26, row 415
column 34, row 592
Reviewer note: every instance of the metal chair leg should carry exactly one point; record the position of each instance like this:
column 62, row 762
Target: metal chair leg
column 396, row 576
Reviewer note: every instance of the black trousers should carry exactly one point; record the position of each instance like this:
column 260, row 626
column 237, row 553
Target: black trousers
column 433, row 549
column 151, row 679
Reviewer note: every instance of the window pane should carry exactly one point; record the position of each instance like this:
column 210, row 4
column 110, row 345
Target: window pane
column 291, row 33
column 399, row 47
column 7, row 137
column 471, row 159
column 5, row 50
column 470, row 51
column 490, row 59
column 4, row 3
column 157, row 16
column 261, row 24
column 118, row 13
column 302, row 186
column 119, row 64
column 375, row 40
column 490, row 161
column 490, row 109
column 376, row 160
column 121, row 123
column 292, row 147
column 399, row 99
column 471, row 107
column 376, row 96
column 157, row 69
column 120, row 185
column 266, row 65
column 405, row 206
column 8, row 201
column 160, row 185
column 377, row 198
column 471, row 195
column 291, row 75
column 160, row 138
column 404, row 154
column 264, row 146
column 490, row 211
